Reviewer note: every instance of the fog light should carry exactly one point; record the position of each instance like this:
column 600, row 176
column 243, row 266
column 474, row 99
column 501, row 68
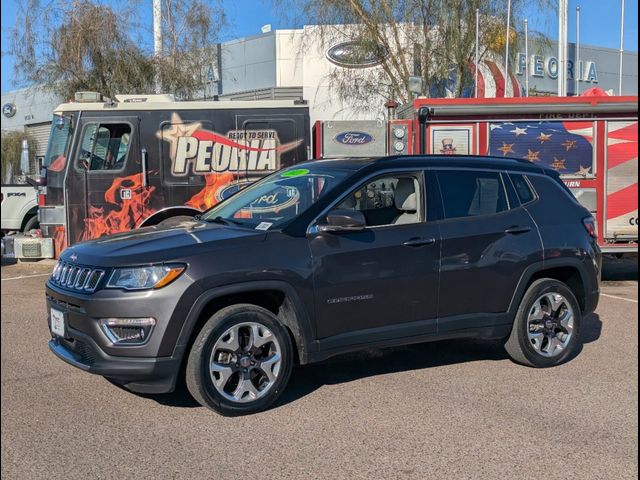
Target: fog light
column 127, row 331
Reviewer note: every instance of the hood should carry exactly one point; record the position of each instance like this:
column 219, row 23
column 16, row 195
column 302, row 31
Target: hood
column 159, row 244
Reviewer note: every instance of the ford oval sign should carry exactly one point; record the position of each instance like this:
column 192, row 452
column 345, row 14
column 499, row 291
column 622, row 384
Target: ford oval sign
column 354, row 55
column 8, row 110
column 353, row 138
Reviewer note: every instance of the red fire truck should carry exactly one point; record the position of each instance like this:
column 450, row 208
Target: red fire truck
column 591, row 141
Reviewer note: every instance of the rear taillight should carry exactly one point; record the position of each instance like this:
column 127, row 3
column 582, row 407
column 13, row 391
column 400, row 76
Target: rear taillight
column 590, row 225
column 41, row 199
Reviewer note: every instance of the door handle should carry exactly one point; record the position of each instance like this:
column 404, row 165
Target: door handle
column 515, row 230
column 419, row 242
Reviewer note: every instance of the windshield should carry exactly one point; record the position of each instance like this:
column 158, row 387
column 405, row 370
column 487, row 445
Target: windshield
column 58, row 141
column 273, row 201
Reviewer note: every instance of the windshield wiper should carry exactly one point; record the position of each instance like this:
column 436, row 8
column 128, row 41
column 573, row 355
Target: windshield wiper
column 222, row 221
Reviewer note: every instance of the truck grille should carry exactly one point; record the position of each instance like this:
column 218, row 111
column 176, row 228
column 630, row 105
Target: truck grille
column 76, row 277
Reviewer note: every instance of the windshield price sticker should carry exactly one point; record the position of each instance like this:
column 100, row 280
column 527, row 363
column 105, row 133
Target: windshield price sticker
column 264, row 226
column 298, row 172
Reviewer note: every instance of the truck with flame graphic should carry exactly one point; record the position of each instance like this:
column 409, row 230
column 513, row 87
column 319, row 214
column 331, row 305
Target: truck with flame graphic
column 115, row 165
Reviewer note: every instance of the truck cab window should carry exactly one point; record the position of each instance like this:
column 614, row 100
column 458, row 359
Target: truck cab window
column 104, row 146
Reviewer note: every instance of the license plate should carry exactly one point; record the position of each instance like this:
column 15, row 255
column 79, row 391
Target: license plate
column 57, row 322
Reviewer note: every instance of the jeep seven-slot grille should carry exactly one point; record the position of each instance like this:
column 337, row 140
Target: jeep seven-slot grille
column 76, row 277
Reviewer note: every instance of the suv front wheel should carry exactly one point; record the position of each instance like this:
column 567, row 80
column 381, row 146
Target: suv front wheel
column 240, row 362
column 547, row 325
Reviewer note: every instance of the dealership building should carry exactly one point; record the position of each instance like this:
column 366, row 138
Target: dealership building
column 295, row 63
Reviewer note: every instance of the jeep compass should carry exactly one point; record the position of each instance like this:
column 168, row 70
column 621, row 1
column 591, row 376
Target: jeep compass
column 327, row 257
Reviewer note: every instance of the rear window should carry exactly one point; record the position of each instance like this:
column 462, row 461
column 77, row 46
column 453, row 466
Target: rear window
column 471, row 194
column 525, row 194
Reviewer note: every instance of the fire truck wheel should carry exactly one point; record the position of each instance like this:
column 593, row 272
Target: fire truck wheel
column 240, row 362
column 546, row 330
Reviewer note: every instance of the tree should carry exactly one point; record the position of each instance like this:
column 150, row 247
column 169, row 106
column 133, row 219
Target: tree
column 72, row 45
column 432, row 39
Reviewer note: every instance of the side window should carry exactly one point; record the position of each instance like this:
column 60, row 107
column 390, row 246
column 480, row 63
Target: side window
column 470, row 194
column 104, row 146
column 388, row 200
column 525, row 194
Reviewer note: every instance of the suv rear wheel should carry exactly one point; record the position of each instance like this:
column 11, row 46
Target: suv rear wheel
column 547, row 326
column 240, row 362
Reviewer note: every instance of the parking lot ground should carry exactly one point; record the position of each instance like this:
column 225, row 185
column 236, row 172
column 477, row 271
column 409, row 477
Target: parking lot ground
column 441, row 410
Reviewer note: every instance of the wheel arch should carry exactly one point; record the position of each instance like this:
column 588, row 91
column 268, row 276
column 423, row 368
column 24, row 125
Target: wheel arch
column 566, row 270
column 168, row 212
column 276, row 296
column 28, row 215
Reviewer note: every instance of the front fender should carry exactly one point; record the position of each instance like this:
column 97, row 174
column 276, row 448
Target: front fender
column 299, row 323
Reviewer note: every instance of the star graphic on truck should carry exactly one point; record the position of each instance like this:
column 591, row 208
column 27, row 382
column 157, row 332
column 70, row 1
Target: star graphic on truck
column 558, row 164
column 569, row 144
column 532, row 156
column 543, row 137
column 584, row 171
column 519, row 131
column 506, row 148
column 176, row 130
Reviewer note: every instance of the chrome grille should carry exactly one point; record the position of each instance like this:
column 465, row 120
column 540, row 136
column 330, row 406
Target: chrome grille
column 76, row 277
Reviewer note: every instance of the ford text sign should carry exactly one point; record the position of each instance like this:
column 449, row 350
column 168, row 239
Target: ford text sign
column 353, row 138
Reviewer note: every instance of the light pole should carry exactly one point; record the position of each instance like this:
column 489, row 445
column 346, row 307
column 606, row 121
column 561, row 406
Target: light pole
column 157, row 41
column 576, row 68
column 621, row 47
column 506, row 52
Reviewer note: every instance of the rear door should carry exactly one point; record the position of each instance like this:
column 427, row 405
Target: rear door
column 105, row 191
column 488, row 240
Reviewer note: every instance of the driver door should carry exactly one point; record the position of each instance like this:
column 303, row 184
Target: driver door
column 381, row 282
column 105, row 191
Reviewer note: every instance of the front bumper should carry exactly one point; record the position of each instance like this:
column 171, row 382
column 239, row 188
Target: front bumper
column 143, row 375
column 152, row 367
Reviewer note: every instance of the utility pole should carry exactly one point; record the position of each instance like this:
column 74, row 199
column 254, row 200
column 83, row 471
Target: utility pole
column 157, row 41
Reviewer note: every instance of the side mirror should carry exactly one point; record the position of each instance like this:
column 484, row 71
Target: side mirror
column 343, row 220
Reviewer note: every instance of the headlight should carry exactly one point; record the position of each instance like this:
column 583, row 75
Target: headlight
column 143, row 278
column 398, row 146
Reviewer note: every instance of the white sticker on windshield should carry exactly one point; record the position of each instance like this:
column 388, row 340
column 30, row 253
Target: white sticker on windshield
column 264, row 226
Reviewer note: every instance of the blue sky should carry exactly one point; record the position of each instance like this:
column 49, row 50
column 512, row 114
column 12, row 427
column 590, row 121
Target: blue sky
column 600, row 24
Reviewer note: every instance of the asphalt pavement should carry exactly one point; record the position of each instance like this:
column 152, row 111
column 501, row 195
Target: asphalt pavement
column 454, row 409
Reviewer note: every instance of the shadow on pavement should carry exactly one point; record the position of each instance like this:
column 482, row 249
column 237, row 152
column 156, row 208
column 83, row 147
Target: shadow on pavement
column 372, row 362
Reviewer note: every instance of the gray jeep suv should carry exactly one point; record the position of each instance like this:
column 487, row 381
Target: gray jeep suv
column 327, row 257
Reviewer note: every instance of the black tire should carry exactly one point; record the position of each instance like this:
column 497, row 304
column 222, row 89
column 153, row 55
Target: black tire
column 518, row 345
column 31, row 224
column 198, row 377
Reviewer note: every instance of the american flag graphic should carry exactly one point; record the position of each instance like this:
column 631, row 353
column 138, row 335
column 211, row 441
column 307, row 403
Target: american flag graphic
column 564, row 146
